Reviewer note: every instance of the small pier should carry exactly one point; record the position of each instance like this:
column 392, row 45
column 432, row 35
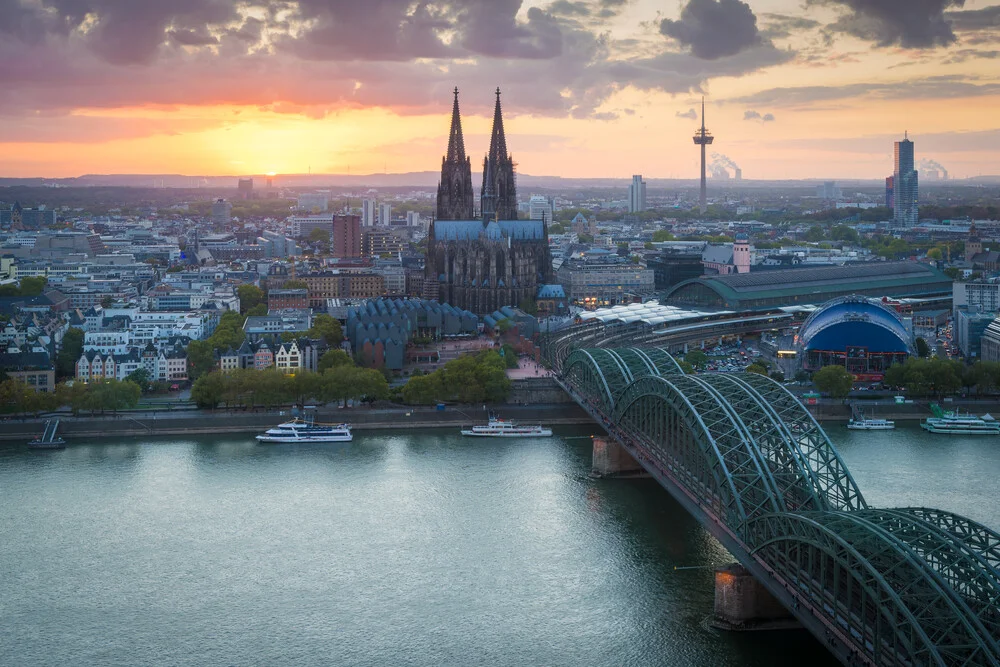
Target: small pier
column 49, row 439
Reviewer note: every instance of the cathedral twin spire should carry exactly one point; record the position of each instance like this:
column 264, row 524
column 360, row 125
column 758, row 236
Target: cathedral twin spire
column 498, row 196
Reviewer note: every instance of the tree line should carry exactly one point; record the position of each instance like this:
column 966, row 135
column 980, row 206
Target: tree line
column 479, row 378
column 95, row 397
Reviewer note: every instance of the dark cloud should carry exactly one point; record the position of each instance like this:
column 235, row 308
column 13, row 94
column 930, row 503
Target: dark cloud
column 778, row 26
column 975, row 19
column 963, row 55
column 714, row 28
column 935, row 87
column 690, row 114
column 916, row 24
column 318, row 56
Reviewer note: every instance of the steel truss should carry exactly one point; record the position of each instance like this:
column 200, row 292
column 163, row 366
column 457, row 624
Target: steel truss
column 897, row 586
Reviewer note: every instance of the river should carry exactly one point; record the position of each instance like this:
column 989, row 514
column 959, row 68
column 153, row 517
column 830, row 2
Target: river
column 417, row 548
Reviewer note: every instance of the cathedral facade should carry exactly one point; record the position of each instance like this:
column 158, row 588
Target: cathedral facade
column 482, row 263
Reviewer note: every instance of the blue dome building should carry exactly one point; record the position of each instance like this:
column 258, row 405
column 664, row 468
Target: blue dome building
column 861, row 334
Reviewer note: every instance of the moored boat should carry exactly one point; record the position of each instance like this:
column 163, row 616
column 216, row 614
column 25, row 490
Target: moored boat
column 504, row 428
column 871, row 424
column 298, row 430
column 957, row 423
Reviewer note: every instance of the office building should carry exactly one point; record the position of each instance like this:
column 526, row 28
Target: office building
column 601, row 278
column 380, row 242
column 637, row 195
column 369, row 212
column 412, row 219
column 385, row 214
column 347, row 237
column 303, row 225
column 313, row 202
column 222, row 213
column 245, row 188
column 829, row 190
column 540, row 208
column 905, row 192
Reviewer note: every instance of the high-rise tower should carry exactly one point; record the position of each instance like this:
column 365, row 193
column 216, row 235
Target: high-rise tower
column 905, row 195
column 499, row 194
column 454, row 198
column 703, row 138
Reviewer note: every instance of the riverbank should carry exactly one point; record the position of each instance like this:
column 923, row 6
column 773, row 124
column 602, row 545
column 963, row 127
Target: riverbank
column 915, row 411
column 209, row 422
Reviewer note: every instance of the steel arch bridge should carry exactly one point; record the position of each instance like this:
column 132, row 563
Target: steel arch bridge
column 878, row 586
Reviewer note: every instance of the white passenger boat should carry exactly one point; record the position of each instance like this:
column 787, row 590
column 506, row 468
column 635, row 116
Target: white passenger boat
column 503, row 428
column 954, row 422
column 871, row 424
column 299, row 430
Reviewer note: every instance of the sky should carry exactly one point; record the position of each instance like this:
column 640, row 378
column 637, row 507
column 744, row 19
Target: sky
column 590, row 88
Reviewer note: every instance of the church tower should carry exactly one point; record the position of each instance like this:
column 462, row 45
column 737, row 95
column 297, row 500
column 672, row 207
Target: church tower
column 499, row 193
column 454, row 199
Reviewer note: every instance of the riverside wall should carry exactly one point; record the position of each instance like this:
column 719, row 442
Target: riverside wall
column 207, row 422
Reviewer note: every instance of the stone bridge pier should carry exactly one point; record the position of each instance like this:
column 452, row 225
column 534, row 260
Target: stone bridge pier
column 612, row 460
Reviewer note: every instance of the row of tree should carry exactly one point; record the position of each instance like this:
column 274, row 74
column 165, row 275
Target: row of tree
column 249, row 388
column 479, row 378
column 95, row 397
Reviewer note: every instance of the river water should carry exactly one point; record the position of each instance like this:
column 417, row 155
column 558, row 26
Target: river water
column 418, row 548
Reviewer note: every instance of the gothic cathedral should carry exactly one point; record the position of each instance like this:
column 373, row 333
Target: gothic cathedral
column 496, row 260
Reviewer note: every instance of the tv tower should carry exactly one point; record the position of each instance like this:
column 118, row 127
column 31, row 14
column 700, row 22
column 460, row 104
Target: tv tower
column 703, row 138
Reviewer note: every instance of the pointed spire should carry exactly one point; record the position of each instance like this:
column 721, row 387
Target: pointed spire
column 498, row 142
column 456, row 143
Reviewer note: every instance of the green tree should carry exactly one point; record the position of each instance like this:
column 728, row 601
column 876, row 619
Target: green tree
column 326, row 327
column 528, row 305
column 321, row 238
column 107, row 301
column 201, row 358
column 696, row 358
column 333, row 359
column 250, row 297
column 33, row 285
column 140, row 377
column 777, row 376
column 844, row 233
column 69, row 353
column 662, row 236
column 923, row 349
column 207, row 390
column 935, row 253
column 257, row 311
column 757, row 367
column 834, row 380
column 585, row 238
column 815, row 234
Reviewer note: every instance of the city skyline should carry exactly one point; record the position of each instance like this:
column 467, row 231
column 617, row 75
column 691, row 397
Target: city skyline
column 597, row 88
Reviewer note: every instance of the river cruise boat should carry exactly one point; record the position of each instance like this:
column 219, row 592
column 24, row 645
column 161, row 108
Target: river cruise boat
column 299, row 430
column 957, row 423
column 504, row 428
column 871, row 424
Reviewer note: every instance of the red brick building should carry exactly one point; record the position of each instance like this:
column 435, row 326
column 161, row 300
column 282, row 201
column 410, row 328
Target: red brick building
column 280, row 299
column 346, row 239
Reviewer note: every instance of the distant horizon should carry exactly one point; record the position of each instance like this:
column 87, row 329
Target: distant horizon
column 424, row 179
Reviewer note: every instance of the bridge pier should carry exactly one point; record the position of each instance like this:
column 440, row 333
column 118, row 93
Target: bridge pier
column 612, row 460
column 742, row 603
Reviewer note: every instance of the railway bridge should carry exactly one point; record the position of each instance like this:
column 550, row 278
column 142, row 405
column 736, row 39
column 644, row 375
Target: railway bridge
column 908, row 586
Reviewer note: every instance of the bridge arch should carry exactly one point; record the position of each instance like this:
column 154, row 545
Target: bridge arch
column 866, row 575
column 602, row 374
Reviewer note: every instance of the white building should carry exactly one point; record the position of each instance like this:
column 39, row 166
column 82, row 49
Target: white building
column 385, row 214
column 303, row 225
column 539, row 208
column 412, row 219
column 288, row 359
column 313, row 201
column 369, row 211
column 637, row 195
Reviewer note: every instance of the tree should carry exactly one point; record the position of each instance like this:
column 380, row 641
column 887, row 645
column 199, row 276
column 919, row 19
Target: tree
column 844, row 233
column 201, row 358
column 834, row 380
column 757, row 367
column 107, row 301
column 935, row 253
column 69, row 353
column 923, row 349
column 777, row 376
column 585, row 238
column 333, row 359
column 140, row 377
column 662, row 236
column 207, row 390
column 32, row 285
column 696, row 358
column 327, row 328
column 815, row 234
column 321, row 238
column 257, row 311
column 250, row 297
column 801, row 375
column 528, row 305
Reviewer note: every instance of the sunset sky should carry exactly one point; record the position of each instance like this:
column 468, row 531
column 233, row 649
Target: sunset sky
column 591, row 88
